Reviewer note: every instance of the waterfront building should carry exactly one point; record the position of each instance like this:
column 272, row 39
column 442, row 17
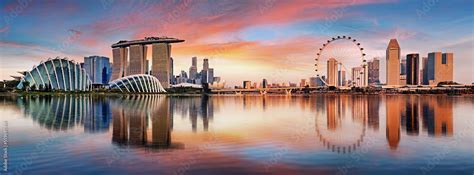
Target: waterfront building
column 210, row 75
column 120, row 62
column 403, row 67
column 247, row 84
column 141, row 83
column 172, row 78
column 374, row 71
column 98, row 68
column 264, row 83
column 313, row 81
column 56, row 74
column 357, row 76
column 137, row 62
column 332, row 68
column 193, row 68
column 161, row 58
column 424, row 71
column 393, row 63
column 341, row 76
column 205, row 64
column 412, row 72
column 439, row 68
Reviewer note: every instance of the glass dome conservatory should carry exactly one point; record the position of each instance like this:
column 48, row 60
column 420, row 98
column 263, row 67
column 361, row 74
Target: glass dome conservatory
column 56, row 74
column 140, row 83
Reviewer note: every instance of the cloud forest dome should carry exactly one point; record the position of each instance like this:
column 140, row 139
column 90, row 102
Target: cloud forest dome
column 139, row 83
column 56, row 74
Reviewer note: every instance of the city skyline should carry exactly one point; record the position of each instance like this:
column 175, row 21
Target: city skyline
column 277, row 48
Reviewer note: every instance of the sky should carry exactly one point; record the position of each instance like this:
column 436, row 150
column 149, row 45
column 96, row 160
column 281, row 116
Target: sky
column 243, row 39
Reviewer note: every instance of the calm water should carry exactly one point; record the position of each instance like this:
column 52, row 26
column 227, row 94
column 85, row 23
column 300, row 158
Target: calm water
column 338, row 134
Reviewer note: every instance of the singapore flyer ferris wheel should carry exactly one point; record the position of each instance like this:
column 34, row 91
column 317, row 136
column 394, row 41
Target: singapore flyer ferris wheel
column 341, row 52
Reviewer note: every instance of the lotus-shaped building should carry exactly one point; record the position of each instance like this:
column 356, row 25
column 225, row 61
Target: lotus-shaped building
column 139, row 83
column 56, row 74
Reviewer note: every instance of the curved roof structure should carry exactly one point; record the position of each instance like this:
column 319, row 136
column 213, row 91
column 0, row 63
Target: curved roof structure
column 56, row 74
column 139, row 83
column 147, row 40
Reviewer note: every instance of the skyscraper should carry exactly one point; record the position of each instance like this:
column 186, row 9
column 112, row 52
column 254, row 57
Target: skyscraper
column 120, row 63
column 210, row 75
column 424, row 71
column 161, row 63
column 439, row 68
column 374, row 70
column 412, row 65
column 403, row 67
column 332, row 69
column 137, row 59
column 193, row 69
column 98, row 69
column 357, row 76
column 341, row 76
column 247, row 84
column 393, row 62
column 205, row 64
column 172, row 79
column 194, row 61
column 264, row 83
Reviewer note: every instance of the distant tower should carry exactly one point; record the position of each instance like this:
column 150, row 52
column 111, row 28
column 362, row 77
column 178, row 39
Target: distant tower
column 374, row 70
column 412, row 65
column 193, row 69
column 424, row 71
column 393, row 63
column 264, row 83
column 205, row 64
column 332, row 69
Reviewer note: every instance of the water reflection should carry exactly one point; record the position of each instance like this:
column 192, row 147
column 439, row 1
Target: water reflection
column 144, row 121
column 341, row 121
column 67, row 111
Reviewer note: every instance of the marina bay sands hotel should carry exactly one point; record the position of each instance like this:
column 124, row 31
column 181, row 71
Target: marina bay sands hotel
column 129, row 58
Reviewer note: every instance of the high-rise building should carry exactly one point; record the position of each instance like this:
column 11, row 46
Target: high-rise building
column 137, row 59
column 210, row 75
column 403, row 67
column 424, row 71
column 194, row 61
column 373, row 71
column 205, row 64
column 357, row 76
column 393, row 63
column 204, row 76
column 313, row 81
column 98, row 69
column 120, row 63
column 439, row 68
column 264, row 83
column 332, row 69
column 161, row 63
column 247, row 84
column 341, row 76
column 412, row 65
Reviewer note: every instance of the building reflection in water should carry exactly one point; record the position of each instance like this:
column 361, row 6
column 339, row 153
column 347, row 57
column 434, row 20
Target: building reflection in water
column 64, row 112
column 436, row 112
column 194, row 108
column 143, row 121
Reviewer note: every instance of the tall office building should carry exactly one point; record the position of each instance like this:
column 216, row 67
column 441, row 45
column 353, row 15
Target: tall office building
column 98, row 69
column 137, row 59
column 403, row 67
column 205, row 64
column 264, row 83
column 204, row 76
column 210, row 75
column 393, row 63
column 412, row 65
column 120, row 63
column 332, row 69
column 373, row 71
column 194, row 61
column 341, row 76
column 424, row 72
column 247, row 84
column 357, row 76
column 161, row 63
column 439, row 68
